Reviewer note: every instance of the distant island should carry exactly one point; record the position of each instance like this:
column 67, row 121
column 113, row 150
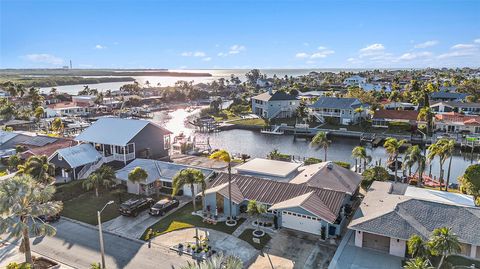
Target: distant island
column 100, row 72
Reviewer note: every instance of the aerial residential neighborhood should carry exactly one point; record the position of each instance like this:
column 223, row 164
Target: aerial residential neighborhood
column 238, row 134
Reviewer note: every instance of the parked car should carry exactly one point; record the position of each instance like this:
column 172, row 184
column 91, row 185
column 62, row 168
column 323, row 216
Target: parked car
column 132, row 207
column 163, row 206
column 49, row 218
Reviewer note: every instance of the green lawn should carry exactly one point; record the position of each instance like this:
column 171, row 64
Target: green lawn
column 183, row 218
column 456, row 260
column 257, row 122
column 248, row 237
column 85, row 206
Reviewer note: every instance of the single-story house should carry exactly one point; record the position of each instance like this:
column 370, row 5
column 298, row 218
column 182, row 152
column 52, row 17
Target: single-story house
column 460, row 107
column 160, row 176
column 447, row 96
column 452, row 122
column 389, row 216
column 342, row 110
column 382, row 117
column 277, row 104
column 123, row 140
column 76, row 162
column 299, row 206
column 400, row 106
column 270, row 169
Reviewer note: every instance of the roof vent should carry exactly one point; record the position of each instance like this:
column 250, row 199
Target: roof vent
column 330, row 165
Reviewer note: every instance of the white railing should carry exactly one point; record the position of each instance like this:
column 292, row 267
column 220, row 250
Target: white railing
column 328, row 114
column 90, row 168
column 282, row 109
column 318, row 116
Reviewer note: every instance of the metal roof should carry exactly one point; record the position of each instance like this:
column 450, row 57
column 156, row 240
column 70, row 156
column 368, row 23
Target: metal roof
column 336, row 103
column 163, row 171
column 276, row 96
column 39, row 141
column 114, row 131
column 79, row 155
column 268, row 167
column 271, row 192
column 5, row 136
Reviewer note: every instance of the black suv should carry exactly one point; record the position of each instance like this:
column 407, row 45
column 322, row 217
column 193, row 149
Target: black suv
column 132, row 207
column 163, row 206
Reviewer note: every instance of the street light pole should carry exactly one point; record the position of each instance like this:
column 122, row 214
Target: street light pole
column 102, row 249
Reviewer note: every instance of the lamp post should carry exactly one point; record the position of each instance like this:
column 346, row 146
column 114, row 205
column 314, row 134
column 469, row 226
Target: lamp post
column 102, row 250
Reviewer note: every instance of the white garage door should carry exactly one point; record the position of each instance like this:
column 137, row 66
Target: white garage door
column 301, row 223
column 377, row 242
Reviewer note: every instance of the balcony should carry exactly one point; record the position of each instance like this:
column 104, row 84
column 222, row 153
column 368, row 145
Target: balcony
column 327, row 114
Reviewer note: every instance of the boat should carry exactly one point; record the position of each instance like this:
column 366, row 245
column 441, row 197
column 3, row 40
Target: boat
column 275, row 130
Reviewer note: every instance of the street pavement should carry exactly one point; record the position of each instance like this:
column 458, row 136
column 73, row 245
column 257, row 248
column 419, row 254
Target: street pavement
column 77, row 245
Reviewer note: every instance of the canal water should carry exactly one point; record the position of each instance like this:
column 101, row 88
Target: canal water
column 257, row 144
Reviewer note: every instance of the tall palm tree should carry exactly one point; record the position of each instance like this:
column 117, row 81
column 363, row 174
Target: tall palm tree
column 22, row 202
column 224, row 156
column 417, row 263
column 189, row 176
column 39, row 169
column 449, row 148
column 360, row 153
column 392, row 146
column 103, row 177
column 320, row 140
column 412, row 156
column 426, row 114
column 417, row 247
column 443, row 148
column 443, row 242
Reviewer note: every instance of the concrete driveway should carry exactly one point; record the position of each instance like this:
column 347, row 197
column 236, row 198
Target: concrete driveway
column 288, row 249
column 229, row 244
column 131, row 227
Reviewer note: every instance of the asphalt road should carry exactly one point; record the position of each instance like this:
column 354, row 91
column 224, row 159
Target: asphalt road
column 78, row 246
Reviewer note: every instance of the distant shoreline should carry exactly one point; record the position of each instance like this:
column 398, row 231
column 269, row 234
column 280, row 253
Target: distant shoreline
column 99, row 72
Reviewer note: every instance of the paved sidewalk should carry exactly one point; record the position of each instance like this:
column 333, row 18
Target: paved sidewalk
column 10, row 253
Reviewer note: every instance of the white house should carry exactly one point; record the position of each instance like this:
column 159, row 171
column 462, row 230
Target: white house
column 354, row 80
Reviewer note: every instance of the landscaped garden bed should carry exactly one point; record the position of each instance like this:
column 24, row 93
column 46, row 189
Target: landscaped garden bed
column 183, row 218
column 247, row 236
column 200, row 252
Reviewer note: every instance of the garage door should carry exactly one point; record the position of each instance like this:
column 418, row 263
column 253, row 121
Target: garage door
column 377, row 242
column 301, row 223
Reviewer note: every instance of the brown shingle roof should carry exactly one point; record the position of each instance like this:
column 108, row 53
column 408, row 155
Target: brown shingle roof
column 271, row 192
column 49, row 149
column 396, row 114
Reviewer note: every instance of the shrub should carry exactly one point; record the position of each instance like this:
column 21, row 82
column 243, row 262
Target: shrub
column 343, row 164
column 399, row 126
column 312, row 160
column 470, row 181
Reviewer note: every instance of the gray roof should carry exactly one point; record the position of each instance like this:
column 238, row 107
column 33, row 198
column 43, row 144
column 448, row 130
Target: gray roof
column 460, row 104
column 164, row 171
column 276, row 96
column 9, row 140
column 329, row 175
column 448, row 95
column 337, row 103
column 114, row 131
column 79, row 155
column 39, row 141
column 399, row 216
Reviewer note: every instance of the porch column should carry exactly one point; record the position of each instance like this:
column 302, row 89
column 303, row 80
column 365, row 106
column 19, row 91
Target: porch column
column 473, row 251
column 124, row 155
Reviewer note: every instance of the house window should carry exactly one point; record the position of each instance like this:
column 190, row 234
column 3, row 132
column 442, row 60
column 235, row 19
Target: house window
column 60, row 158
column 166, row 142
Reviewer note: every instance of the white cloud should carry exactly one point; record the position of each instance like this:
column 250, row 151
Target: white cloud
column 100, row 47
column 322, row 52
column 193, row 54
column 302, row 55
column 415, row 55
column 222, row 54
column 235, row 49
column 207, row 59
column 463, row 46
column 477, row 41
column 372, row 49
column 426, row 44
column 44, row 58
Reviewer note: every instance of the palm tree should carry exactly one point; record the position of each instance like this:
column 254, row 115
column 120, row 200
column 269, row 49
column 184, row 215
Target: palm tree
column 412, row 156
column 39, row 169
column 416, row 247
column 360, row 153
column 22, row 201
column 392, row 146
column 57, row 125
column 104, row 176
column 224, row 156
column 320, row 140
column 443, row 242
column 417, row 263
column 189, row 176
column 217, row 261
column 256, row 210
column 137, row 175
column 443, row 148
column 426, row 114
column 449, row 148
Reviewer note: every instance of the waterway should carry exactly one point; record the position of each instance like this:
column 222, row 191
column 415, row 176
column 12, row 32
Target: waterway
column 257, row 144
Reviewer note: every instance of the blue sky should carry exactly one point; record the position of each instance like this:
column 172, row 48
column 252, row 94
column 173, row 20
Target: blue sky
column 239, row 34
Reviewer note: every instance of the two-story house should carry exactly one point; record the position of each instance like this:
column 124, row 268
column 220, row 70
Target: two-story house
column 277, row 104
column 342, row 110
